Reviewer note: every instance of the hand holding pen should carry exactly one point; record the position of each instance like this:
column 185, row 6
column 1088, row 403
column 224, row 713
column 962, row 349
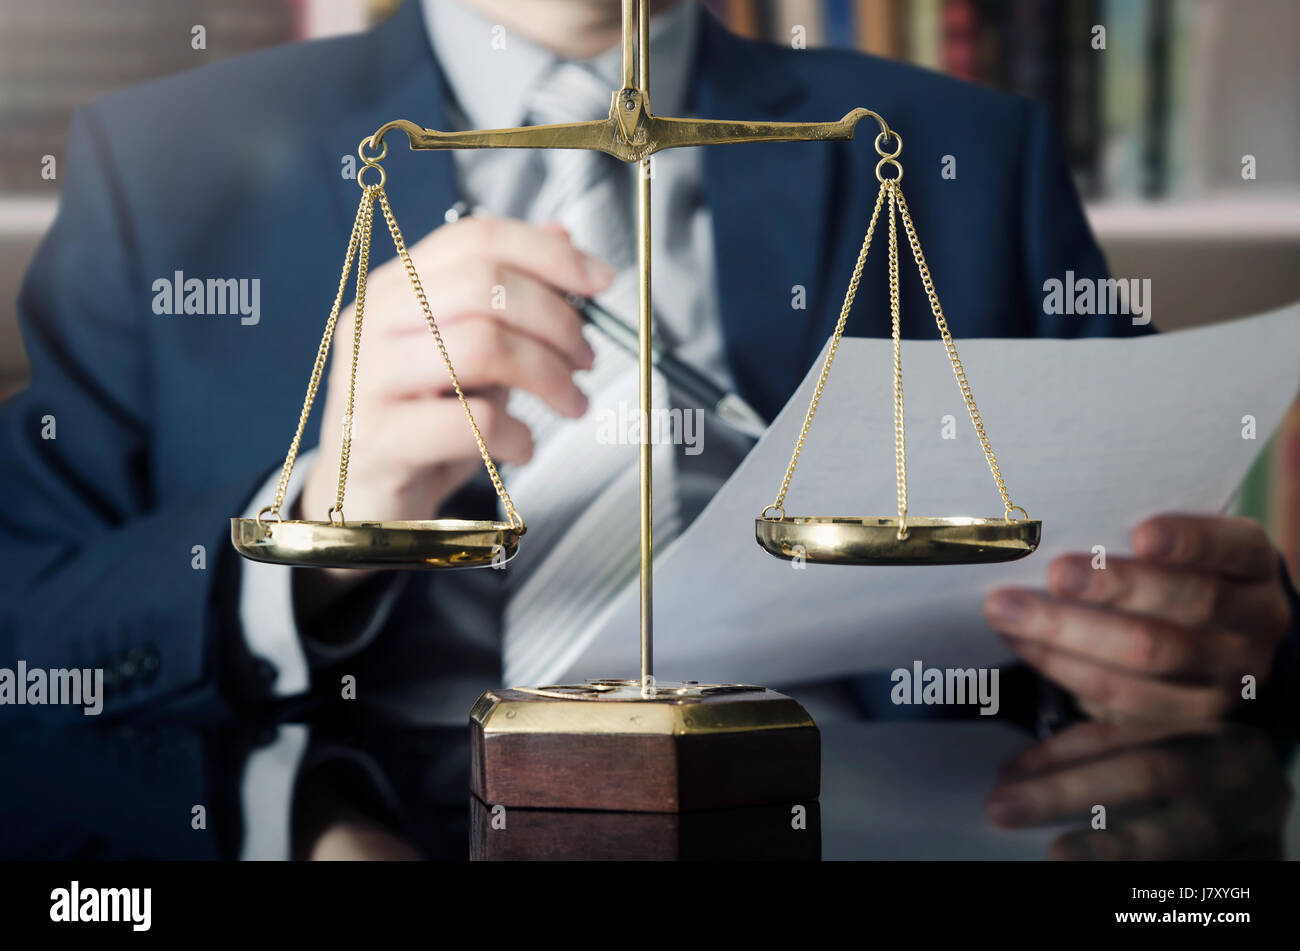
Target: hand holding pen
column 411, row 449
column 692, row 386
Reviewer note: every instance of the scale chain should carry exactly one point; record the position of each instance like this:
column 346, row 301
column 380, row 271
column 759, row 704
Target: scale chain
column 779, row 504
column 897, row 205
column 900, row 440
column 363, row 271
column 359, row 251
column 958, row 371
column 322, row 355
column 516, row 521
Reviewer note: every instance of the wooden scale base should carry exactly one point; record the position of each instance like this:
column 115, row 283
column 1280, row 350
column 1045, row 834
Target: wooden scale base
column 606, row 745
column 782, row 832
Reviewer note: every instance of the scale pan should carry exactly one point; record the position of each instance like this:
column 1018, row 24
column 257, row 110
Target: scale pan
column 874, row 541
column 436, row 543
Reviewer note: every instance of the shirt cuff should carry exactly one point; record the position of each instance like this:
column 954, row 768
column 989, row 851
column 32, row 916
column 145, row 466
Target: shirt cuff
column 266, row 598
column 266, row 795
column 266, row 605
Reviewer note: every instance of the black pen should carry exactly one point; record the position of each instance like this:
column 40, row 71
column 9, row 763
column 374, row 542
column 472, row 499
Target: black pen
column 690, row 384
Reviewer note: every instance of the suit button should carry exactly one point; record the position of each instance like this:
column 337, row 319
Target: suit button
column 146, row 662
column 112, row 677
column 126, row 668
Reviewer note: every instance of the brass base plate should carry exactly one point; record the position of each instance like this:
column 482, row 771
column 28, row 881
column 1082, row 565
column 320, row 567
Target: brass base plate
column 622, row 707
column 839, row 540
column 435, row 543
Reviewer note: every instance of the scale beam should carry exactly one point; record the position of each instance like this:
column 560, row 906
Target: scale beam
column 631, row 133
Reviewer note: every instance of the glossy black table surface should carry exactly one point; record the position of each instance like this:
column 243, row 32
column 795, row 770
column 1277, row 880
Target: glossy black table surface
column 318, row 784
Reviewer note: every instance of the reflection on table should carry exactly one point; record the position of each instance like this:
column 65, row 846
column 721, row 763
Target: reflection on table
column 327, row 787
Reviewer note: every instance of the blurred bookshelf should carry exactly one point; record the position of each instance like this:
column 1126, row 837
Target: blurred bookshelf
column 1156, row 125
column 1162, row 104
column 59, row 55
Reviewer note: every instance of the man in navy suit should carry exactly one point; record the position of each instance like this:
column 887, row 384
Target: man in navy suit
column 144, row 430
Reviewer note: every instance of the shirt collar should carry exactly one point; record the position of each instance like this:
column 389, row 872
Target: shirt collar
column 491, row 86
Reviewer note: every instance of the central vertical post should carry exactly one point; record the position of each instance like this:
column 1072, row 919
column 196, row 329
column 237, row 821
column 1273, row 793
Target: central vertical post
column 645, row 329
column 552, row 747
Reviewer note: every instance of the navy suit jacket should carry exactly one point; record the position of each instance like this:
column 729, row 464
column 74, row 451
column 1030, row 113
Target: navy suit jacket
column 165, row 425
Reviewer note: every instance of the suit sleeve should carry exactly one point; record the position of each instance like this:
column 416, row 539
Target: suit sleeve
column 1057, row 242
column 97, row 569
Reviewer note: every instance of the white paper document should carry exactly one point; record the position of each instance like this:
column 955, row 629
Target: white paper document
column 1092, row 436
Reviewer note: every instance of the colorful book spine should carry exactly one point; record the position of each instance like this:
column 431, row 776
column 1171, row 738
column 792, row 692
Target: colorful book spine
column 882, row 28
column 1284, row 501
column 1123, row 94
column 923, row 33
column 959, row 49
column 1155, row 171
column 799, row 16
column 840, row 30
column 1081, row 121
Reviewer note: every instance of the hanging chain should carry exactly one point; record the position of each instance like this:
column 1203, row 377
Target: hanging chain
column 363, row 271
column 516, row 521
column 958, row 371
column 359, row 250
column 900, row 441
column 779, row 504
column 897, row 206
column 322, row 355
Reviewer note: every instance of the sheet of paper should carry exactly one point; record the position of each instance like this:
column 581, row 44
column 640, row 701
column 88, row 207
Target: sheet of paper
column 1091, row 436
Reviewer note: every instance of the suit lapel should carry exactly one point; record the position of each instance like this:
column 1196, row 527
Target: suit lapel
column 770, row 205
column 406, row 83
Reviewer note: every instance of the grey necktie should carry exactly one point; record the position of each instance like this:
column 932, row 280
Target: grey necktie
column 579, row 491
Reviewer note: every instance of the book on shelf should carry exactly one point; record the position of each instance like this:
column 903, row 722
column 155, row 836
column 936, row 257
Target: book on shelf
column 1142, row 91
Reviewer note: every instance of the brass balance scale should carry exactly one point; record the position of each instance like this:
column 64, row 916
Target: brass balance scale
column 637, row 744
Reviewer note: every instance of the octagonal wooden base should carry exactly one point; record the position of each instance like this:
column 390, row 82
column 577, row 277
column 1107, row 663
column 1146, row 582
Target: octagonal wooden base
column 604, row 746
column 784, row 832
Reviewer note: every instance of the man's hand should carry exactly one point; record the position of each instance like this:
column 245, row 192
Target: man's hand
column 1195, row 791
column 496, row 288
column 361, row 841
column 1168, row 633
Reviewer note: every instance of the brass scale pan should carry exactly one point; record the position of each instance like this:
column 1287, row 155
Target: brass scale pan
column 337, row 543
column 904, row 539
column 846, row 540
column 435, row 543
